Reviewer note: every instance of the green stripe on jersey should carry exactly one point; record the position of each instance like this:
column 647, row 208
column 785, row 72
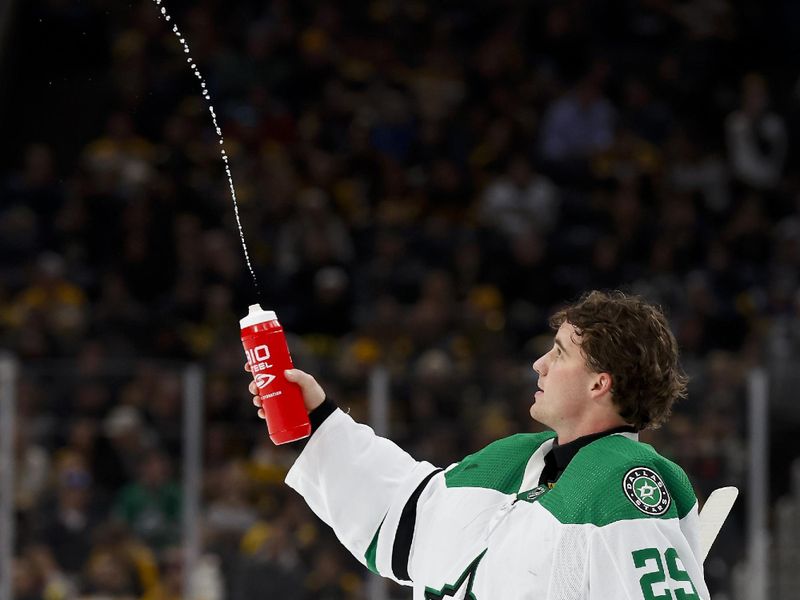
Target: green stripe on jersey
column 372, row 552
column 590, row 491
column 500, row 465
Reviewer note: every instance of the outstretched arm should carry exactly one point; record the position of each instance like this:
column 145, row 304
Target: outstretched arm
column 360, row 484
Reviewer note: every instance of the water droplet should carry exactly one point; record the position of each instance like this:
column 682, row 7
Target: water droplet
column 206, row 95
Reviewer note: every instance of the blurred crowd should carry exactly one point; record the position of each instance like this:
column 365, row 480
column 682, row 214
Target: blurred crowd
column 420, row 185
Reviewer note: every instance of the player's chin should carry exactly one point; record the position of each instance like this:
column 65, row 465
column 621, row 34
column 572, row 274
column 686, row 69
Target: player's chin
column 537, row 399
column 538, row 406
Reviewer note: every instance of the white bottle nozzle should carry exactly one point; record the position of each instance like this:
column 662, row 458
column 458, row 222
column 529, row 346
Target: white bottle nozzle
column 256, row 315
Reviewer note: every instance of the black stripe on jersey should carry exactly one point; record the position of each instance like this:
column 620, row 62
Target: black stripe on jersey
column 405, row 532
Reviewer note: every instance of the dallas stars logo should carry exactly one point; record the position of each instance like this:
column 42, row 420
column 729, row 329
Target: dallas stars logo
column 464, row 582
column 646, row 490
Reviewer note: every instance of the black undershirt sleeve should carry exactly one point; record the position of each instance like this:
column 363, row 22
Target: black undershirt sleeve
column 318, row 415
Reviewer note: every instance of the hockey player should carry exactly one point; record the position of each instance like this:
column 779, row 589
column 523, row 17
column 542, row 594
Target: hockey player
column 584, row 512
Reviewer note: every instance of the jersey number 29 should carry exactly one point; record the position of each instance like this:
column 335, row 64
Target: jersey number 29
column 680, row 583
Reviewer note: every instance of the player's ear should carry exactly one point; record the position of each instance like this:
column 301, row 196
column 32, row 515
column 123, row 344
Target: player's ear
column 601, row 384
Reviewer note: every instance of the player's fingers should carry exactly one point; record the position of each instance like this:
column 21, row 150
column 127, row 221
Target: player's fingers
column 301, row 378
column 261, row 414
column 253, row 388
column 256, row 401
column 247, row 367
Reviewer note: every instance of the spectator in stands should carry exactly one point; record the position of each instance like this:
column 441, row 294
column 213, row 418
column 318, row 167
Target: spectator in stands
column 151, row 505
column 756, row 137
column 65, row 523
column 271, row 563
column 520, row 200
column 578, row 124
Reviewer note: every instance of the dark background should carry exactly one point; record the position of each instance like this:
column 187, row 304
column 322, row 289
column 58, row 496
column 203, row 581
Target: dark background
column 421, row 185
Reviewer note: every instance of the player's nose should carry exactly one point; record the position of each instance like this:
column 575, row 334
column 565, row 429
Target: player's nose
column 539, row 365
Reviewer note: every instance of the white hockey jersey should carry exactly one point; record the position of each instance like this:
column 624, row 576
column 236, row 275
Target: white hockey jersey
column 619, row 524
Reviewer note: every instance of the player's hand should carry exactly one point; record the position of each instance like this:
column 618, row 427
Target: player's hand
column 313, row 394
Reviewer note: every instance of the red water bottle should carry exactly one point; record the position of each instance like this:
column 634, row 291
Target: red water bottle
column 268, row 357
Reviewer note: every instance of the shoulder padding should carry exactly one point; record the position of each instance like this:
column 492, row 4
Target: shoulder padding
column 500, row 465
column 616, row 478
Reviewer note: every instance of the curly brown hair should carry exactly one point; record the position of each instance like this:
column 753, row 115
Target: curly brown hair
column 629, row 338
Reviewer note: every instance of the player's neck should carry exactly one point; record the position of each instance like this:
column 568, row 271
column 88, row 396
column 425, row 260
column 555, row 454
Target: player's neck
column 567, row 434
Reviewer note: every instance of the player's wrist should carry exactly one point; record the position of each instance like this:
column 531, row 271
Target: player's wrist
column 318, row 415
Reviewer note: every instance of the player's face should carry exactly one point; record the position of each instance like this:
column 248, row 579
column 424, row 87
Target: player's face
column 564, row 382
